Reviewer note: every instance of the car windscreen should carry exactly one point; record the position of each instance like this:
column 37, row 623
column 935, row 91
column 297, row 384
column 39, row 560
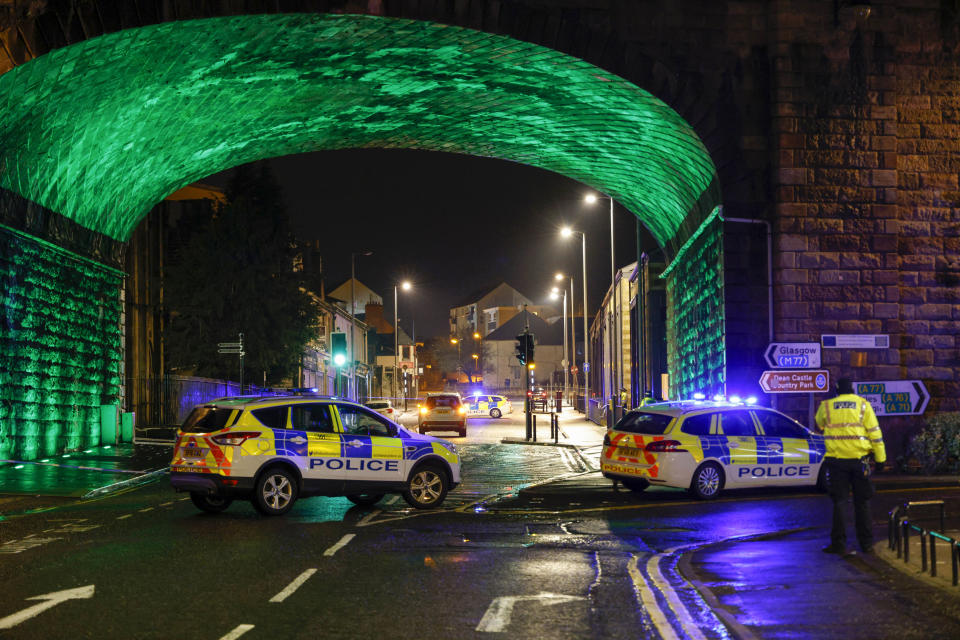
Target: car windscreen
column 443, row 401
column 206, row 419
column 640, row 422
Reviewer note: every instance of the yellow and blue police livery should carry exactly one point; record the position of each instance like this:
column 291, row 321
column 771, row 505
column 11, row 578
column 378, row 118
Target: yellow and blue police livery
column 495, row 406
column 275, row 450
column 708, row 446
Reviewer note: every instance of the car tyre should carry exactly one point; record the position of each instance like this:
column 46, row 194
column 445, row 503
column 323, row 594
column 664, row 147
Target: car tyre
column 275, row 492
column 707, row 481
column 365, row 499
column 427, row 487
column 635, row 484
column 208, row 503
column 495, row 413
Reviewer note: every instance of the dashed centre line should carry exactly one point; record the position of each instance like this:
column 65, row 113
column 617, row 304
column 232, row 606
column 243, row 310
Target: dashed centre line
column 293, row 586
column 238, row 631
column 341, row 544
column 124, row 517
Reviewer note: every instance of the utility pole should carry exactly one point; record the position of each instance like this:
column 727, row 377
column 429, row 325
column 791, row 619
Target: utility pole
column 526, row 375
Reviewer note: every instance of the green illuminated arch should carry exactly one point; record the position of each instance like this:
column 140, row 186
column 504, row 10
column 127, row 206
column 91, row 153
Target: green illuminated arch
column 102, row 130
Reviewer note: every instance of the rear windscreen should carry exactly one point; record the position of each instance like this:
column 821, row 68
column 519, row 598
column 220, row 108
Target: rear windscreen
column 639, row 422
column 443, row 401
column 206, row 419
column 377, row 405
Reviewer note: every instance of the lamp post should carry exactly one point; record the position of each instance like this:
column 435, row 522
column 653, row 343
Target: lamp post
column 353, row 321
column 592, row 198
column 573, row 342
column 459, row 366
column 405, row 285
column 477, row 358
column 566, row 363
column 567, row 232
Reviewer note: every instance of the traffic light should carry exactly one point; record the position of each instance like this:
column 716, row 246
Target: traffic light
column 521, row 348
column 529, row 360
column 338, row 347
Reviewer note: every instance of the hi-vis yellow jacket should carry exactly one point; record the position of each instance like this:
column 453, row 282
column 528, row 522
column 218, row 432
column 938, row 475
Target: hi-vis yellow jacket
column 850, row 428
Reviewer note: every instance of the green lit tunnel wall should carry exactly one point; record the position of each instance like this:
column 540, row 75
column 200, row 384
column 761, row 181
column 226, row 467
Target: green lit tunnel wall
column 696, row 340
column 59, row 347
column 100, row 131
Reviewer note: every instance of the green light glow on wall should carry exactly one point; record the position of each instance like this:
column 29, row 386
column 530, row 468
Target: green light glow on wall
column 102, row 130
column 59, row 347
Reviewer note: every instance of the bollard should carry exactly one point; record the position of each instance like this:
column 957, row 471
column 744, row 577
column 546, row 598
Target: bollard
column 534, row 427
column 556, row 430
column 906, row 541
column 933, row 556
column 923, row 550
column 954, row 553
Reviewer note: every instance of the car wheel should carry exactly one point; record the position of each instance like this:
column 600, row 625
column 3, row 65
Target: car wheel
column 365, row 499
column 275, row 492
column 635, row 484
column 208, row 503
column 426, row 487
column 707, row 481
column 823, row 479
column 495, row 413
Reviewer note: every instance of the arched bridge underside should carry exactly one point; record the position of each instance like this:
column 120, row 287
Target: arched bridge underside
column 101, row 130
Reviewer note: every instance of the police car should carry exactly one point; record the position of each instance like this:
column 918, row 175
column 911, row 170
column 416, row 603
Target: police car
column 487, row 404
column 707, row 446
column 275, row 450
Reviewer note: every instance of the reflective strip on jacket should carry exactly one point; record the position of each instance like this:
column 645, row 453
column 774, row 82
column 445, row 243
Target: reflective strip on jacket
column 850, row 428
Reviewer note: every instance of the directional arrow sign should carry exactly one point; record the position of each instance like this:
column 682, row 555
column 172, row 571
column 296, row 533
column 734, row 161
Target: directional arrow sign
column 894, row 397
column 50, row 600
column 796, row 381
column 497, row 617
column 793, row 355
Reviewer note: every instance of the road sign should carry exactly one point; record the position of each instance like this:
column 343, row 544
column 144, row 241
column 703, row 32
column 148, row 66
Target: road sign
column 894, row 397
column 230, row 345
column 795, row 381
column 239, row 352
column 793, row 355
column 855, row 341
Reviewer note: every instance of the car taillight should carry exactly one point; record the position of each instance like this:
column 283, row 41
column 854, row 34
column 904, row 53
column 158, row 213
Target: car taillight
column 234, row 439
column 664, row 445
column 389, row 409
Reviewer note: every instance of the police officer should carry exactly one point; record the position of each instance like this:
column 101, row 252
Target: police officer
column 647, row 398
column 624, row 398
column 851, row 433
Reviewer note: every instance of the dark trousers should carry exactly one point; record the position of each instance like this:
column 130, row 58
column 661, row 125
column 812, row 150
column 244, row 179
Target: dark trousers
column 847, row 474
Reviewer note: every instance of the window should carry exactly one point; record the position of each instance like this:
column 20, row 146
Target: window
column 272, row 417
column 697, row 425
column 737, row 423
column 648, row 423
column 311, row 417
column 483, row 399
column 206, row 419
column 358, row 422
column 780, row 426
column 453, row 402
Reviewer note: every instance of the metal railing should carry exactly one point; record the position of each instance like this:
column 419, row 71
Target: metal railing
column 899, row 528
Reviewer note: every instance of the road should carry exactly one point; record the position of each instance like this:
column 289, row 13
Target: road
column 569, row 558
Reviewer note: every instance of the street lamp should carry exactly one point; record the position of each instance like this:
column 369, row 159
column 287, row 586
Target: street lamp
column 459, row 366
column 567, row 232
column 554, row 294
column 353, row 321
column 476, row 361
column 573, row 342
column 592, row 198
column 405, row 285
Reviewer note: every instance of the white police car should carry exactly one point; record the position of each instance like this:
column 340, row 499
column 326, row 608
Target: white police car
column 708, row 446
column 274, row 450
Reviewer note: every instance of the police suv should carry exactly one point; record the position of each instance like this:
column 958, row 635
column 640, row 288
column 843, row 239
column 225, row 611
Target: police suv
column 708, row 446
column 273, row 450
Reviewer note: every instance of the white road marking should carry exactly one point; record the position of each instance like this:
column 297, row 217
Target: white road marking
column 365, row 520
column 166, row 504
column 343, row 542
column 145, row 510
column 648, row 601
column 497, row 616
column 237, row 632
column 293, row 586
column 50, row 600
column 124, row 517
column 18, row 546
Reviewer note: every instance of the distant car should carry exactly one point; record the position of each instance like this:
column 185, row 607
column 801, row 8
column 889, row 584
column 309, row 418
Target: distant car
column 708, row 446
column 384, row 408
column 538, row 399
column 274, row 450
column 443, row 412
column 487, row 404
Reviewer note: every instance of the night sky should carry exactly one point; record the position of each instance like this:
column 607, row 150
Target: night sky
column 449, row 223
